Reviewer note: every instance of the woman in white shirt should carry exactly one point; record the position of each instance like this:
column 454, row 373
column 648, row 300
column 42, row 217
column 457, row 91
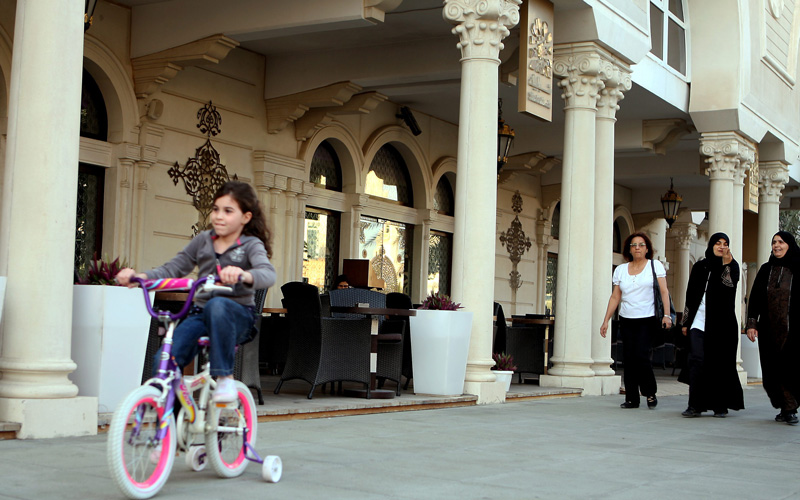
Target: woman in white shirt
column 633, row 293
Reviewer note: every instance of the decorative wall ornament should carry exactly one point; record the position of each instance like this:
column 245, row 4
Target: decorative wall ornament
column 516, row 242
column 203, row 174
column 481, row 25
column 776, row 8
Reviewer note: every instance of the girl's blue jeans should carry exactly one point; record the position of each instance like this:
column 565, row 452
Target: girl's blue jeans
column 225, row 322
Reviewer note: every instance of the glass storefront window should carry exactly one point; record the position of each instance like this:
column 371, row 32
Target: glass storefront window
column 387, row 245
column 321, row 247
column 550, row 284
column 439, row 262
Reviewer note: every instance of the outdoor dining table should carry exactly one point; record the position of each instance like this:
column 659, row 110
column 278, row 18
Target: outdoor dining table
column 374, row 313
column 538, row 321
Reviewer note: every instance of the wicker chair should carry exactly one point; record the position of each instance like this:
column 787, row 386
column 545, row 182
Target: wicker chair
column 245, row 364
column 390, row 347
column 396, row 300
column 323, row 350
column 526, row 345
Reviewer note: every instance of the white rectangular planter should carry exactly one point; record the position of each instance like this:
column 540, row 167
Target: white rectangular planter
column 751, row 363
column 110, row 326
column 439, row 349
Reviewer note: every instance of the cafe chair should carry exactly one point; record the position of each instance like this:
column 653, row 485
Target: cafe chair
column 320, row 349
column 526, row 345
column 351, row 297
column 397, row 300
column 499, row 339
column 245, row 364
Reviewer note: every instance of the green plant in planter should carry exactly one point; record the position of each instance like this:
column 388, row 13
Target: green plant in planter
column 503, row 362
column 101, row 272
column 439, row 301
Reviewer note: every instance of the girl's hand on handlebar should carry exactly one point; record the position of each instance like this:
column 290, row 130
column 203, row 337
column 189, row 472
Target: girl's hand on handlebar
column 230, row 275
column 124, row 277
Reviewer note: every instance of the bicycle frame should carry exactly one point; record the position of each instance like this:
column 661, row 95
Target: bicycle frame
column 169, row 378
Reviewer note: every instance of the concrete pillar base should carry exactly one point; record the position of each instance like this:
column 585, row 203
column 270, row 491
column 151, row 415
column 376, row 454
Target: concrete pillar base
column 51, row 418
column 487, row 392
column 592, row 386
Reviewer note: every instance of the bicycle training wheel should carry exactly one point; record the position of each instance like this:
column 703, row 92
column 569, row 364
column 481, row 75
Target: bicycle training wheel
column 138, row 464
column 226, row 428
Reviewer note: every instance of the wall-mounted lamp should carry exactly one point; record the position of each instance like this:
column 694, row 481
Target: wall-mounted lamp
column 670, row 203
column 505, row 137
column 408, row 117
column 88, row 12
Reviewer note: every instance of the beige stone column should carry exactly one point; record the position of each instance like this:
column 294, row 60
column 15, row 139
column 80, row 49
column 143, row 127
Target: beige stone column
column 481, row 28
column 543, row 241
column 683, row 233
column 747, row 157
column 617, row 79
column 773, row 176
column 577, row 68
column 37, row 230
column 729, row 155
column 724, row 151
column 289, row 228
column 300, row 225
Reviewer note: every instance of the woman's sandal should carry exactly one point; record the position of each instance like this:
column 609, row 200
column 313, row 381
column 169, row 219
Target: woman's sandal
column 652, row 402
column 628, row 404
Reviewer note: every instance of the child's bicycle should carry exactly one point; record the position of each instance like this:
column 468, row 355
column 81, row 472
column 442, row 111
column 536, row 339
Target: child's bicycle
column 143, row 435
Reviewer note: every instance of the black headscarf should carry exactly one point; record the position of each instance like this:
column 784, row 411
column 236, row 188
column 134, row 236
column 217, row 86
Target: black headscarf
column 791, row 258
column 713, row 260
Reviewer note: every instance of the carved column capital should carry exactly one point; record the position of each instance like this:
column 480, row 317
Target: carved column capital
column 684, row 234
column 773, row 177
column 728, row 155
column 481, row 25
column 578, row 69
column 616, row 80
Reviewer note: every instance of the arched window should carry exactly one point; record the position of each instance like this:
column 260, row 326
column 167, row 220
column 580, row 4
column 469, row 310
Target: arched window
column 94, row 118
column 617, row 248
column 556, row 222
column 443, row 199
column 388, row 177
column 326, row 171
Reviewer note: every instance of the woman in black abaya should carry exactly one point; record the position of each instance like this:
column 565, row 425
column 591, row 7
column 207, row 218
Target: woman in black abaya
column 710, row 322
column 773, row 316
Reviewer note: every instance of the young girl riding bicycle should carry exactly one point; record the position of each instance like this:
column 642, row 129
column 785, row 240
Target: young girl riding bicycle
column 237, row 249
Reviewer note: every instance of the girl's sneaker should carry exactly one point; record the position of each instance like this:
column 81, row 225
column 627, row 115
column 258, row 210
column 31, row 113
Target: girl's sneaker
column 225, row 392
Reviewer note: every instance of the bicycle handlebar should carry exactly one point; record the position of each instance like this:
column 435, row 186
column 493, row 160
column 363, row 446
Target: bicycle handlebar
column 175, row 284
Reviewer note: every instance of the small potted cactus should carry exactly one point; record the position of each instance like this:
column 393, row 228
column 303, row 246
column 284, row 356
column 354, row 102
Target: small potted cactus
column 440, row 336
column 504, row 368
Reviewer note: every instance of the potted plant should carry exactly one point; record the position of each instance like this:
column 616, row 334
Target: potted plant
column 504, row 368
column 440, row 336
column 110, row 326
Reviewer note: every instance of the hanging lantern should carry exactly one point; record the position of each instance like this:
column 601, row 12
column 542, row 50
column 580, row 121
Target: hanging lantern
column 670, row 203
column 505, row 137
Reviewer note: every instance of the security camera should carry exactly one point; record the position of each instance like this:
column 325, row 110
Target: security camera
column 408, row 118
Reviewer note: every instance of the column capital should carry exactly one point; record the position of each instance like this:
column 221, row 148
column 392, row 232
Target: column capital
column 580, row 68
column 482, row 25
column 729, row 155
column 773, row 177
column 616, row 79
column 684, row 233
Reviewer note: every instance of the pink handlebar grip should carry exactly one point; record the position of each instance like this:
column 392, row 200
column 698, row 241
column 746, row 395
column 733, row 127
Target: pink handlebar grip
column 169, row 284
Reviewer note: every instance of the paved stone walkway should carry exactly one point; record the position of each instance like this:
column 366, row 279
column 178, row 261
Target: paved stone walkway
column 553, row 448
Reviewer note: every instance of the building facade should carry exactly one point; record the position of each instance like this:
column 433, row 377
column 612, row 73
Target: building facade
column 369, row 130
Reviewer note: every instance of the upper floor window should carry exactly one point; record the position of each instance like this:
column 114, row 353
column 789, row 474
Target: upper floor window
column 326, row 171
column 668, row 33
column 388, row 177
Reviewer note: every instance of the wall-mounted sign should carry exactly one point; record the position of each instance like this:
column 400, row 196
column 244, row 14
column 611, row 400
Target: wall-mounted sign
column 751, row 189
column 535, row 84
